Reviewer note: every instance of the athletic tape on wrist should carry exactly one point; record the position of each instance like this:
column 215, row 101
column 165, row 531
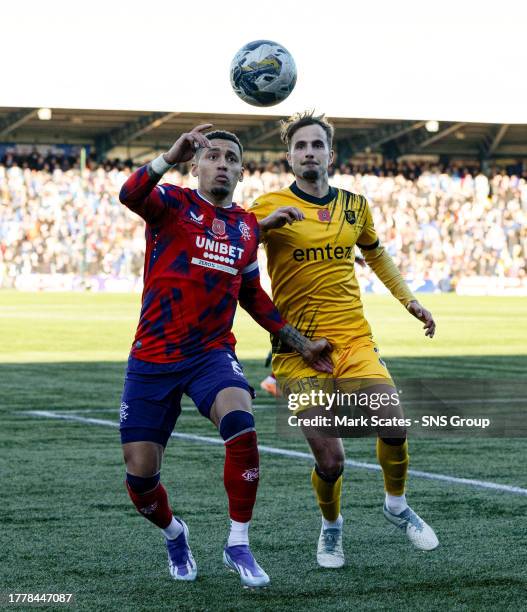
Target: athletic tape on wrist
column 160, row 166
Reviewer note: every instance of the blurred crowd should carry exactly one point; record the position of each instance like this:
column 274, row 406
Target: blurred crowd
column 438, row 223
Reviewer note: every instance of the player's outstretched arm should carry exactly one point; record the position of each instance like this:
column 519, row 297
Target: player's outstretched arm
column 388, row 273
column 140, row 192
column 315, row 352
column 382, row 264
column 258, row 304
column 187, row 144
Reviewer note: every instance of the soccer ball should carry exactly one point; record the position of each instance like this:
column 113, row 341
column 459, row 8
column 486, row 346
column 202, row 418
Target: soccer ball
column 263, row 73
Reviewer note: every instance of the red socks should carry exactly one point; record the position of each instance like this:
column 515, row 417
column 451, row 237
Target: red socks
column 153, row 505
column 241, row 475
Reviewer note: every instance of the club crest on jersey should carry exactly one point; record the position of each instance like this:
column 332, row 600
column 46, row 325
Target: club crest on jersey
column 324, row 215
column 350, row 216
column 218, row 228
column 245, row 230
column 196, row 218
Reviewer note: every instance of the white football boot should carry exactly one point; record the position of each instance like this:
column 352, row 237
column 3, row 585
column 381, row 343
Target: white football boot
column 421, row 535
column 330, row 553
column 240, row 559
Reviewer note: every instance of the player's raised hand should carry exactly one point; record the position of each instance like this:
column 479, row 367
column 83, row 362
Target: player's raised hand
column 281, row 216
column 424, row 315
column 187, row 144
column 317, row 355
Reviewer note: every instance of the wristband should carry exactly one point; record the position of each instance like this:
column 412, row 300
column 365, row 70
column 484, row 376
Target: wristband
column 160, row 166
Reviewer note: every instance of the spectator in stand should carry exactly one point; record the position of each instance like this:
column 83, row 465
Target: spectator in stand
column 438, row 223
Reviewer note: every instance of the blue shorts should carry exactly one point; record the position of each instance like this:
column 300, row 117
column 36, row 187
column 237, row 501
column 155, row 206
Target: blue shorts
column 151, row 401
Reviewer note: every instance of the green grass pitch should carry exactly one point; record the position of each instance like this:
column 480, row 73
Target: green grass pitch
column 68, row 526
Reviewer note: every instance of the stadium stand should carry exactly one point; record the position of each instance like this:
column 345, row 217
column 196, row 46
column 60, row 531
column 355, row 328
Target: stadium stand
column 445, row 226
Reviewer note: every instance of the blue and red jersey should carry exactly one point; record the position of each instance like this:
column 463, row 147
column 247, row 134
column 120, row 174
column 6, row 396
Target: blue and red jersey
column 200, row 261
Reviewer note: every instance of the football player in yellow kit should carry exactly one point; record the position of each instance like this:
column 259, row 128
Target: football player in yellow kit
column 310, row 231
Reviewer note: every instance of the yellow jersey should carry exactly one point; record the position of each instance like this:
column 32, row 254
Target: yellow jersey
column 311, row 263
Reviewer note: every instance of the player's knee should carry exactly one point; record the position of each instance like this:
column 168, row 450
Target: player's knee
column 141, row 469
column 140, row 485
column 141, row 460
column 330, row 467
column 229, row 400
column 235, row 423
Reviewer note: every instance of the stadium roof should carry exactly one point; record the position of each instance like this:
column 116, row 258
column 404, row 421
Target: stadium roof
column 440, row 59
column 106, row 129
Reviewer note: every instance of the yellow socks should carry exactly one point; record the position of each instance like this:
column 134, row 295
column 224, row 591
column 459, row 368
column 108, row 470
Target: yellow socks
column 394, row 463
column 393, row 460
column 328, row 495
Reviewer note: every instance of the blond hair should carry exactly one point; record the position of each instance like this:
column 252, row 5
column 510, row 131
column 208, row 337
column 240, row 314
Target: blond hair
column 289, row 126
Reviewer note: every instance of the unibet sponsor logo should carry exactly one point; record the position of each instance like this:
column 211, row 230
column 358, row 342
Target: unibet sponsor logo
column 323, row 253
column 218, row 251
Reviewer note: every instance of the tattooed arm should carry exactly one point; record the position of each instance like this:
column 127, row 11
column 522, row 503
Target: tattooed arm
column 257, row 303
column 315, row 352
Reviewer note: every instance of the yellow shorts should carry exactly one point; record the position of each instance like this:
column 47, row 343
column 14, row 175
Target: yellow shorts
column 358, row 360
column 355, row 367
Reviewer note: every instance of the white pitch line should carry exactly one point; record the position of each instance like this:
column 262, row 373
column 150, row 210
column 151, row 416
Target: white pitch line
column 499, row 400
column 271, row 450
column 116, row 410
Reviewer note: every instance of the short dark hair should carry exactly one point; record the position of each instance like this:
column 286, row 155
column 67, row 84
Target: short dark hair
column 288, row 127
column 224, row 135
